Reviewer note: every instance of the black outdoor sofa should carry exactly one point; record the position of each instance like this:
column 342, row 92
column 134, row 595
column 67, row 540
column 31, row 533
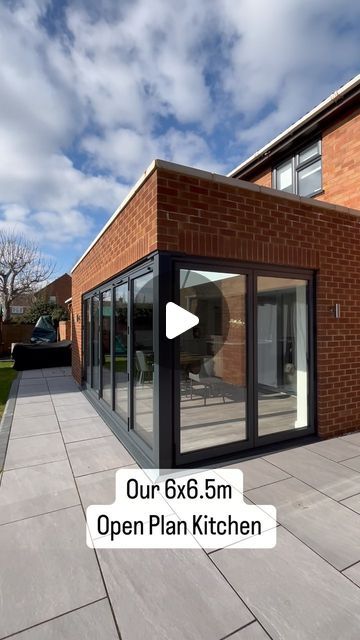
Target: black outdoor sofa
column 42, row 355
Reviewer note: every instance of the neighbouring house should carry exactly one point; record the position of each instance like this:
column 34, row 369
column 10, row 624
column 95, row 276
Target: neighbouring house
column 57, row 291
column 272, row 275
column 21, row 304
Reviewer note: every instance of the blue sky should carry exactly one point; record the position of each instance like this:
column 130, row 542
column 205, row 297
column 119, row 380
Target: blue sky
column 92, row 91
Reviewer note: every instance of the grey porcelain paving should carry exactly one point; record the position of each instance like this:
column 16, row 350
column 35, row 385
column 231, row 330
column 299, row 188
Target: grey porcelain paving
column 252, row 631
column 98, row 488
column 336, row 449
column 24, row 452
column 353, row 573
column 34, row 409
column 293, row 592
column 76, row 411
column 56, row 372
column 31, row 397
column 68, row 398
column 317, row 520
column 93, row 622
column 258, row 472
column 46, row 569
column 175, row 594
column 353, row 438
column 84, row 429
column 32, row 373
column 353, row 463
column 99, row 454
column 333, row 479
column 34, row 490
column 352, row 503
column 31, row 426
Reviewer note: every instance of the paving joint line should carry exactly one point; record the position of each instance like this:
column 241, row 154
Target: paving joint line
column 39, row 515
column 61, row 615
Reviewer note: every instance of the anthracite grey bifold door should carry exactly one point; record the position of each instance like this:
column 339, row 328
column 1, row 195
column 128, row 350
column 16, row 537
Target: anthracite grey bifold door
column 243, row 375
column 282, row 344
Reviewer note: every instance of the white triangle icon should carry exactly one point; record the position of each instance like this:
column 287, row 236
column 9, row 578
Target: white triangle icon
column 178, row 320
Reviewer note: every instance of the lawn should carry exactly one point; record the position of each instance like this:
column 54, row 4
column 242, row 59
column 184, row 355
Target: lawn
column 7, row 375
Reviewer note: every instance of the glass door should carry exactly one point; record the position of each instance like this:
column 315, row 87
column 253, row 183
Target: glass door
column 95, row 334
column 121, row 363
column 142, row 357
column 282, row 385
column 106, row 335
column 213, row 362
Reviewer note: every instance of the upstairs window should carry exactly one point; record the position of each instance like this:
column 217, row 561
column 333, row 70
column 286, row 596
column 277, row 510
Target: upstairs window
column 301, row 174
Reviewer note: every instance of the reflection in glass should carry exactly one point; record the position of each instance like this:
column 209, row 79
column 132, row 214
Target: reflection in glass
column 213, row 360
column 143, row 356
column 106, row 347
column 95, row 310
column 87, row 338
column 120, row 351
column 282, row 338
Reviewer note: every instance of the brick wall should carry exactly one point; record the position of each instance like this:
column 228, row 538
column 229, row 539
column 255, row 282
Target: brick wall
column 132, row 235
column 203, row 217
column 196, row 215
column 340, row 163
column 65, row 330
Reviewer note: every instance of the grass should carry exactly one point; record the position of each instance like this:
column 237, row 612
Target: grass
column 7, row 375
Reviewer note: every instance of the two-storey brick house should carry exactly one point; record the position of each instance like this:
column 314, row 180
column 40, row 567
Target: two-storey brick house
column 272, row 275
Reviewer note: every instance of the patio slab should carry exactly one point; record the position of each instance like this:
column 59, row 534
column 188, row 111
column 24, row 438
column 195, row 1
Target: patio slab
column 34, row 409
column 316, row 519
column 98, row 488
column 22, row 427
column 337, row 449
column 333, row 479
column 352, row 503
column 46, row 566
column 292, row 591
column 83, row 429
column 252, row 631
column 25, row 452
column 92, row 622
column 258, row 472
column 98, row 454
column 175, row 594
column 32, row 491
column 76, row 411
column 353, row 573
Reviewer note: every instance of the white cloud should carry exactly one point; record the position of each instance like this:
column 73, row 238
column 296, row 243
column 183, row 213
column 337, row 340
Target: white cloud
column 84, row 110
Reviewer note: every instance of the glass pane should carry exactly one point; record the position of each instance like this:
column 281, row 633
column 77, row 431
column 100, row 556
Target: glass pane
column 213, row 360
column 282, row 339
column 120, row 350
column 95, row 308
column 87, row 338
column 309, row 152
column 310, row 179
column 284, row 179
column 106, row 347
column 143, row 356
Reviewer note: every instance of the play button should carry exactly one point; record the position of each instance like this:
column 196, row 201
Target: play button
column 178, row 320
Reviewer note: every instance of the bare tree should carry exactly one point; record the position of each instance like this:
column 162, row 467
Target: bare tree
column 22, row 268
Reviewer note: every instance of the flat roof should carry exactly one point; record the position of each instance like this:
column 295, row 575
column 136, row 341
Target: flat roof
column 322, row 106
column 214, row 177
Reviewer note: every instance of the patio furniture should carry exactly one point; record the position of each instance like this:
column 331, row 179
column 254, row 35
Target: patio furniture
column 211, row 385
column 144, row 366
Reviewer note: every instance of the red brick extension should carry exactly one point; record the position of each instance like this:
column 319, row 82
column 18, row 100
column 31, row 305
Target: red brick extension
column 179, row 209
